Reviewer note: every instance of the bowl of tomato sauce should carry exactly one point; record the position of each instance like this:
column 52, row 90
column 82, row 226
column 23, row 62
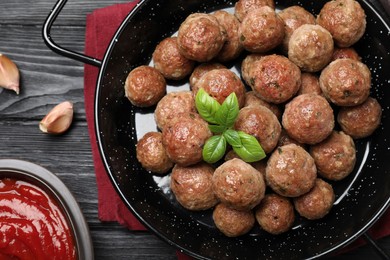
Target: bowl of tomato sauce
column 39, row 217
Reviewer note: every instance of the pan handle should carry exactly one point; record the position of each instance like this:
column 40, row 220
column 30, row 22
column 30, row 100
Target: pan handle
column 58, row 49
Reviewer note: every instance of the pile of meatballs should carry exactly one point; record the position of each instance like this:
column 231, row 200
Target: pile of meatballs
column 303, row 93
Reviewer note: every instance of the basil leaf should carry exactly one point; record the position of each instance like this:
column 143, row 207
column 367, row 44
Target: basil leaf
column 228, row 112
column 206, row 106
column 217, row 129
column 251, row 150
column 214, row 149
column 232, row 138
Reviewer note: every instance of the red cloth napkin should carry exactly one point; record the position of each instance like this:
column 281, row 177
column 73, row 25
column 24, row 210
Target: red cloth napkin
column 100, row 28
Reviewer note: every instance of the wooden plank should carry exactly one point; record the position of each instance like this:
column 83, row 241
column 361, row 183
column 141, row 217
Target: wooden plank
column 46, row 77
column 124, row 244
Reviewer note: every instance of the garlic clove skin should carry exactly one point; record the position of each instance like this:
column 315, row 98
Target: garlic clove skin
column 58, row 120
column 9, row 74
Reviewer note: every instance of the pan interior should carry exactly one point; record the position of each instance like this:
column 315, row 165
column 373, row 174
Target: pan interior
column 360, row 198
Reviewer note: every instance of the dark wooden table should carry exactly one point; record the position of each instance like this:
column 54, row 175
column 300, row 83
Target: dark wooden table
column 48, row 79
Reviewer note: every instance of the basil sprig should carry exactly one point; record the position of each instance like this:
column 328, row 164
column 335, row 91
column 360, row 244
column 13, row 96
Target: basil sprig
column 221, row 119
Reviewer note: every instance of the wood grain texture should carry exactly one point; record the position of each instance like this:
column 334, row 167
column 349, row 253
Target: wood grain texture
column 47, row 79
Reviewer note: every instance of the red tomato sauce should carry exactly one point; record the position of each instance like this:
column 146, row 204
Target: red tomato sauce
column 32, row 225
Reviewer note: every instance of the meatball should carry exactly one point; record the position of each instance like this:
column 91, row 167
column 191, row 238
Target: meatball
column 344, row 19
column 260, row 122
column 242, row 7
column 285, row 139
column 294, row 17
column 151, row 153
column 192, row 186
column 342, row 53
column 200, row 37
column 184, row 137
column 310, row 84
column 275, row 214
column 145, row 86
column 220, row 83
column 346, row 82
column 290, row 171
column 308, row 118
column 200, row 70
column 310, row 47
column 168, row 60
column 317, row 202
column 238, row 185
column 231, row 222
column 362, row 120
column 274, row 78
column 247, row 65
column 232, row 47
column 172, row 105
column 258, row 165
column 335, row 157
column 231, row 154
column 252, row 100
column 261, row 30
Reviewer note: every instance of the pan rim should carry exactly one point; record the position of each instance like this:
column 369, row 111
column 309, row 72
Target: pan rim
column 106, row 163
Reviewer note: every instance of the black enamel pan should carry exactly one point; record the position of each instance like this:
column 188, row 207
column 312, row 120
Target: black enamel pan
column 361, row 198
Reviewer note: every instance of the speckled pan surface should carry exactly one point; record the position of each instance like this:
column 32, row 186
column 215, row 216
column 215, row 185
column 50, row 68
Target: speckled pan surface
column 360, row 199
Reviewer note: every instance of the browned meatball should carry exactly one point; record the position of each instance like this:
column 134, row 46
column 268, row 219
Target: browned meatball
column 335, row 157
column 145, row 86
column 238, row 185
column 308, row 118
column 192, row 186
column 184, row 137
column 231, row 155
column 247, row 65
column 200, row 70
column 172, row 105
column 285, row 139
column 342, row 53
column 258, row 165
column 310, row 84
column 317, row 202
column 344, row 19
column 231, row 222
column 168, row 60
column 260, row 122
column 151, row 153
column 232, row 47
column 346, row 82
column 293, row 17
column 362, row 120
column 220, row 83
column 274, row 78
column 275, row 214
column 310, row 47
column 290, row 171
column 242, row 7
column 200, row 37
column 252, row 100
column 261, row 30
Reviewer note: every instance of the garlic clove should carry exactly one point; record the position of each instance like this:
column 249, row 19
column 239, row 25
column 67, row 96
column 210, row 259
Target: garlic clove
column 9, row 74
column 58, row 120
